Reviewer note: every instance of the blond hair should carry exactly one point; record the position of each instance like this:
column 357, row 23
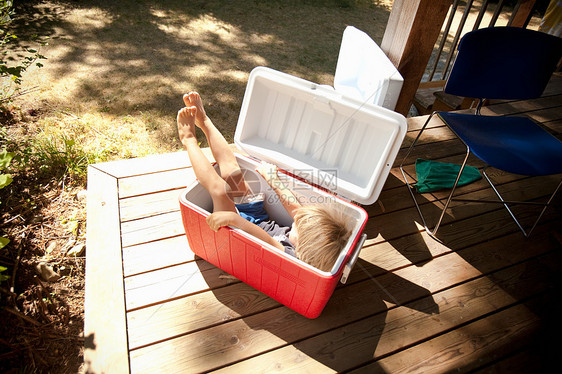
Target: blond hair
column 323, row 232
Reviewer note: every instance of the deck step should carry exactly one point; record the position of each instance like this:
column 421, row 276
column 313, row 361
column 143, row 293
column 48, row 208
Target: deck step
column 431, row 97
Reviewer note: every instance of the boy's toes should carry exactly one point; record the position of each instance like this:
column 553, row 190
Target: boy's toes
column 187, row 114
column 191, row 99
column 192, row 111
column 180, row 114
column 187, row 100
column 186, row 124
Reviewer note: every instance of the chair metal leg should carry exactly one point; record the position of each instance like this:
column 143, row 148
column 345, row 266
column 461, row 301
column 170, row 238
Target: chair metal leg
column 431, row 232
column 452, row 191
column 505, row 204
column 404, row 174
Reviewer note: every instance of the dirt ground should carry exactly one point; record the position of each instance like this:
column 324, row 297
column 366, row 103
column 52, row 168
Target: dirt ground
column 112, row 81
column 42, row 321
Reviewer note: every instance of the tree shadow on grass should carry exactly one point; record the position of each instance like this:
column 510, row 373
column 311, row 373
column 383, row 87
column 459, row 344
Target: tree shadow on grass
column 132, row 57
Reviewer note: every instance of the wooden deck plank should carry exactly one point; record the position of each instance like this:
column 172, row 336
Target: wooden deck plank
column 374, row 261
column 478, row 228
column 151, row 164
column 403, row 222
column 149, row 205
column 148, row 184
column 447, row 148
column 418, row 249
column 173, row 283
column 555, row 127
column 146, row 165
column 518, row 106
column 491, row 293
column 464, row 348
column 526, row 106
column 281, row 325
column 159, row 254
column 105, row 345
column 404, row 326
column 416, row 123
column 190, row 314
column 530, row 359
column 430, row 136
column 152, row 228
column 554, row 86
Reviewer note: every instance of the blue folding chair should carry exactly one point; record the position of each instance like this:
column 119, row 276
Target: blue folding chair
column 501, row 63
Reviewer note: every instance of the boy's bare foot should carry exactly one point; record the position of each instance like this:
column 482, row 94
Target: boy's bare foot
column 186, row 124
column 193, row 99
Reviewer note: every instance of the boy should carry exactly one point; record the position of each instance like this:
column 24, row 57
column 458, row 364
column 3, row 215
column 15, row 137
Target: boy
column 318, row 233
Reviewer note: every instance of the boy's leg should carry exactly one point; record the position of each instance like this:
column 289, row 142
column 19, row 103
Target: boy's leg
column 204, row 171
column 229, row 168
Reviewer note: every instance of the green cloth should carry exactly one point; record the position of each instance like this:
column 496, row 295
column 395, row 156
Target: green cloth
column 433, row 175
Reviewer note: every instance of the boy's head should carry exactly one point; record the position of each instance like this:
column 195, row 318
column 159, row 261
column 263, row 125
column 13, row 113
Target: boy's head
column 322, row 232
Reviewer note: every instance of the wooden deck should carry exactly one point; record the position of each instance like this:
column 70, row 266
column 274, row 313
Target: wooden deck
column 483, row 300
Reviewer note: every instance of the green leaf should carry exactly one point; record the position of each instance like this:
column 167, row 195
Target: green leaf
column 3, row 242
column 5, row 179
column 5, row 158
column 2, row 276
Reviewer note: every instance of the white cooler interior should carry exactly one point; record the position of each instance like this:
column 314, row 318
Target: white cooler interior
column 199, row 198
column 313, row 131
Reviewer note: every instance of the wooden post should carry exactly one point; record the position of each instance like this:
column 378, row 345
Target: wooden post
column 411, row 33
column 522, row 13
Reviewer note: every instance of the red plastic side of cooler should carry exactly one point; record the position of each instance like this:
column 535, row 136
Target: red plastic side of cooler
column 269, row 271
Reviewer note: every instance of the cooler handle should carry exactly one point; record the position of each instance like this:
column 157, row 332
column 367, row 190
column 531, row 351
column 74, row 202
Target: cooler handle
column 353, row 259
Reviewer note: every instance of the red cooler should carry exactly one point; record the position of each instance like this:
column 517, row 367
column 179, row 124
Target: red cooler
column 328, row 147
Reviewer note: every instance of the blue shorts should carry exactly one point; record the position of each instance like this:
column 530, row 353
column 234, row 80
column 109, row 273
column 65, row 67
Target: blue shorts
column 253, row 212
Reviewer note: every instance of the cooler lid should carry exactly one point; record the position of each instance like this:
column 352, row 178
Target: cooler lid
column 364, row 71
column 334, row 141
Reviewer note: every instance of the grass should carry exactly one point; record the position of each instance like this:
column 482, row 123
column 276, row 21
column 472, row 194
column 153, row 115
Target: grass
column 115, row 71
